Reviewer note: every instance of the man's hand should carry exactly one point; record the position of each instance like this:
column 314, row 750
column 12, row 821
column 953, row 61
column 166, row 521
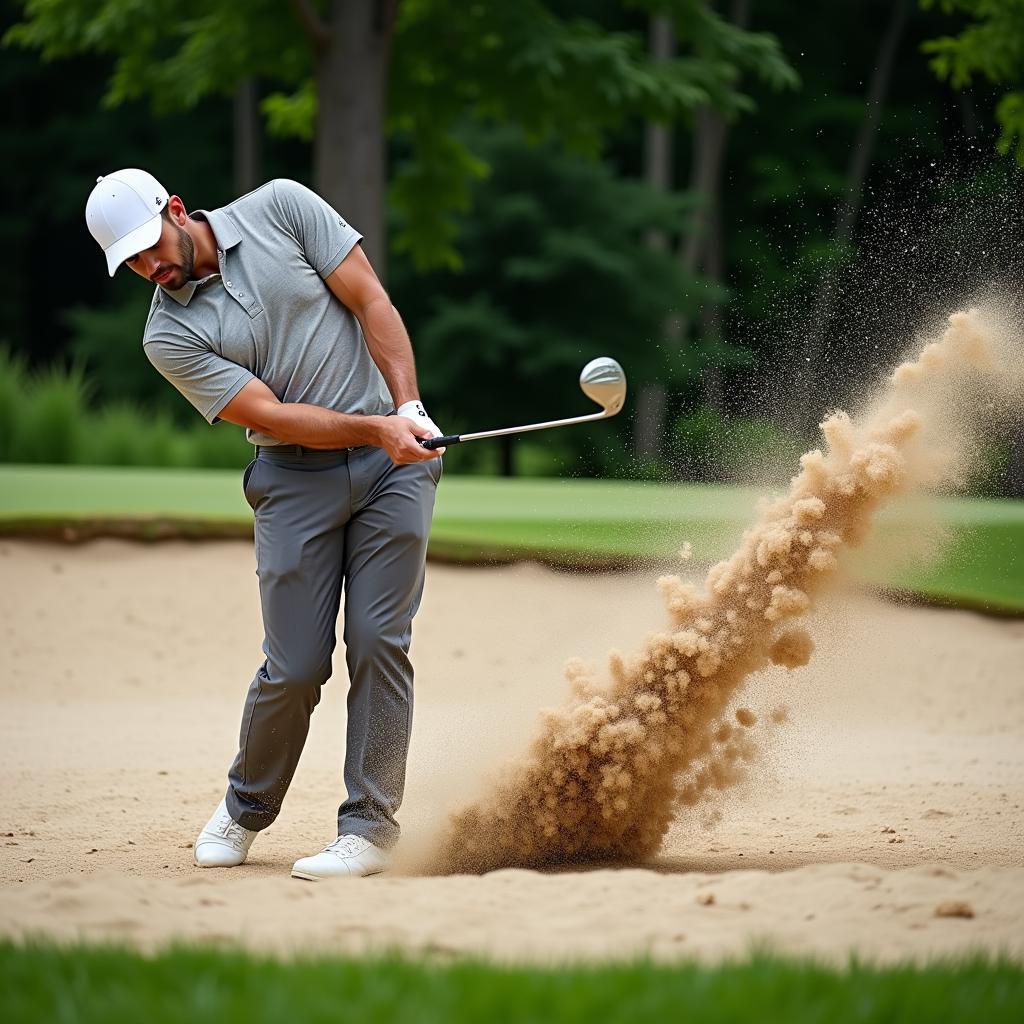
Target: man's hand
column 414, row 411
column 398, row 437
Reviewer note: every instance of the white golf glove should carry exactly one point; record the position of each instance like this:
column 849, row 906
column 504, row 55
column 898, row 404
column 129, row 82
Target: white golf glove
column 414, row 411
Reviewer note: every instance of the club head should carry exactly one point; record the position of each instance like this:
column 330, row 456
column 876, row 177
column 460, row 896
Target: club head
column 604, row 381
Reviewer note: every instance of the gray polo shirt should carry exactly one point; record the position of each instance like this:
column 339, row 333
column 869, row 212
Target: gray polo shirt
column 268, row 313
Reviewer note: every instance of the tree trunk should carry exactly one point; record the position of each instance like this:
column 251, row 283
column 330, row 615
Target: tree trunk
column 351, row 54
column 707, row 238
column 247, row 136
column 856, row 174
column 657, row 134
column 701, row 251
column 649, row 418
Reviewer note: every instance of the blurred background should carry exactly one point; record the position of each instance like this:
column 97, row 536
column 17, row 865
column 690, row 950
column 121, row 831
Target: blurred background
column 754, row 205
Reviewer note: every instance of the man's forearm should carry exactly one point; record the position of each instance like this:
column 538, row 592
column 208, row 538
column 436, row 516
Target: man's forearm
column 315, row 427
column 389, row 345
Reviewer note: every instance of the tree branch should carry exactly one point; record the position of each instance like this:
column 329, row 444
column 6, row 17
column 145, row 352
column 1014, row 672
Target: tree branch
column 314, row 26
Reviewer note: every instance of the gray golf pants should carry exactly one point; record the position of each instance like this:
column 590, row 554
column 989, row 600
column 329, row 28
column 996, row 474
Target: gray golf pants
column 324, row 520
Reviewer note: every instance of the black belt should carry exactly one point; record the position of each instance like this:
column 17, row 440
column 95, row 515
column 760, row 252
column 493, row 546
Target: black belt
column 298, row 449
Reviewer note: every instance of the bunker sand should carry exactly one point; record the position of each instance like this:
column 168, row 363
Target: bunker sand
column 895, row 787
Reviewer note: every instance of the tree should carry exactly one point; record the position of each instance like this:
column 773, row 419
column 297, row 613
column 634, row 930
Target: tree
column 247, row 136
column 856, row 175
column 991, row 46
column 727, row 44
column 649, row 421
column 557, row 271
column 56, row 138
column 701, row 251
column 350, row 51
column 563, row 78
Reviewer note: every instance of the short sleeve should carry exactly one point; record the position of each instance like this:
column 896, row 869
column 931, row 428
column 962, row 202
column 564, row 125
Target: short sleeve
column 207, row 380
column 323, row 234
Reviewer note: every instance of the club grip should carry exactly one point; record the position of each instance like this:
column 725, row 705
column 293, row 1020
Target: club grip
column 440, row 442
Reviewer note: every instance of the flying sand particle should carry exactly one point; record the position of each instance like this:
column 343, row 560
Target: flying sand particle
column 609, row 770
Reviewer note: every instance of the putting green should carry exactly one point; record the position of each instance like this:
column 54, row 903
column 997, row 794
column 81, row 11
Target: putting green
column 589, row 523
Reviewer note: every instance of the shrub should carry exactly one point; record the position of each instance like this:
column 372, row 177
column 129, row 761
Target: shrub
column 123, row 434
column 45, row 417
column 13, row 382
column 50, row 416
column 223, row 447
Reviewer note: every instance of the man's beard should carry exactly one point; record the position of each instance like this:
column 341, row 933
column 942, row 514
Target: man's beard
column 181, row 272
column 186, row 253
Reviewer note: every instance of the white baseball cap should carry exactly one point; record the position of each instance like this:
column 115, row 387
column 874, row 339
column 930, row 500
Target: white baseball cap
column 123, row 213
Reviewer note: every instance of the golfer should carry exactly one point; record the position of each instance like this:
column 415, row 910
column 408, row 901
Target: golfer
column 267, row 314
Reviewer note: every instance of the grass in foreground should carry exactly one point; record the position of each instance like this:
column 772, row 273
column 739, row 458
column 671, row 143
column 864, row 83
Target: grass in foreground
column 87, row 984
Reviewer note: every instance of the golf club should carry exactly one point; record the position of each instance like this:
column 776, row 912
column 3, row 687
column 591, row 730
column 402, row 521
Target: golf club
column 602, row 380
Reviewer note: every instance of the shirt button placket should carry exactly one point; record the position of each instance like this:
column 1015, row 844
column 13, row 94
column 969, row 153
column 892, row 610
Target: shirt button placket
column 220, row 260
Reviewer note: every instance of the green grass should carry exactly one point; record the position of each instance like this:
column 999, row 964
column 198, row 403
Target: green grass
column 590, row 523
column 96, row 984
column 982, row 568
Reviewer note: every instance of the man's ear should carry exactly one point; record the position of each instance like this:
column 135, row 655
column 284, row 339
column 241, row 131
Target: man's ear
column 176, row 210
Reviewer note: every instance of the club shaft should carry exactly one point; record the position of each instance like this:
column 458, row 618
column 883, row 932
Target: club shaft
column 448, row 439
column 531, row 426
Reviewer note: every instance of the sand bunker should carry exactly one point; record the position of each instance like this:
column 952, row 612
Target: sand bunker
column 896, row 787
column 610, row 770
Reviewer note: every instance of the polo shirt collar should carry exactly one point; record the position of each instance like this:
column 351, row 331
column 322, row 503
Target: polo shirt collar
column 225, row 234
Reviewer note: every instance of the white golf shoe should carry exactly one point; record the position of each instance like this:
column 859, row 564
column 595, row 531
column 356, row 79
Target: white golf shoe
column 346, row 857
column 223, row 843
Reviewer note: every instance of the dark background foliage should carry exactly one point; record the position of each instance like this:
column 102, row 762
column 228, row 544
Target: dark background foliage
column 829, row 184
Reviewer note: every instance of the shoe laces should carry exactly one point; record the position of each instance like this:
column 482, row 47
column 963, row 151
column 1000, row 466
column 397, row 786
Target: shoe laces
column 230, row 829
column 347, row 846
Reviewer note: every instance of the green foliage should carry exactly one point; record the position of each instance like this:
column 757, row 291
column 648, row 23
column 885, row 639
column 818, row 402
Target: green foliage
column 13, row 382
column 991, row 46
column 733, row 50
column 682, row 367
column 122, row 434
column 86, row 984
column 50, row 414
column 710, row 447
column 1010, row 115
column 557, row 271
column 292, row 114
column 784, row 168
column 171, row 60
column 223, row 446
column 45, row 417
column 106, row 340
column 429, row 188
column 567, row 79
column 562, row 79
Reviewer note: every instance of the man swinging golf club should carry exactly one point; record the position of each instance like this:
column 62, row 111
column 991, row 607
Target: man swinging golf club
column 267, row 314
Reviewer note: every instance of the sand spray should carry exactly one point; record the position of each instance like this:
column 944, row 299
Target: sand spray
column 609, row 770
